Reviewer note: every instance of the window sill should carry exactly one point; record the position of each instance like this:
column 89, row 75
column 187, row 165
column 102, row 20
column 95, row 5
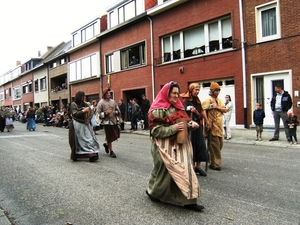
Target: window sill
column 198, row 56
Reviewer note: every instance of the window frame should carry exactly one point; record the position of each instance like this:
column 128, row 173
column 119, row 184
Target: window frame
column 15, row 96
column 137, row 50
column 204, row 48
column 259, row 26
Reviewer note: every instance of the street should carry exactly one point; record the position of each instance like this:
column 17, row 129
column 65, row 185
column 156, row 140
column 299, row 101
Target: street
column 41, row 185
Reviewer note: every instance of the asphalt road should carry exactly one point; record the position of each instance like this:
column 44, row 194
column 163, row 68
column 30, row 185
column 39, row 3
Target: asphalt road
column 41, row 185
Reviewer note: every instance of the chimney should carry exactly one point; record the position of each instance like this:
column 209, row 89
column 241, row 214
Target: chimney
column 18, row 63
column 49, row 48
column 39, row 53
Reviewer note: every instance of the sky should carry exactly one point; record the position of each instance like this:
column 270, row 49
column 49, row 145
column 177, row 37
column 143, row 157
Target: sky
column 29, row 26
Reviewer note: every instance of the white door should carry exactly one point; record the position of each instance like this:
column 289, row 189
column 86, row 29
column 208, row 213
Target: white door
column 268, row 91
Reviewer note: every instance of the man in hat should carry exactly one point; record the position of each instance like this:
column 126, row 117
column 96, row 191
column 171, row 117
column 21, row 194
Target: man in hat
column 145, row 108
column 108, row 110
column 215, row 108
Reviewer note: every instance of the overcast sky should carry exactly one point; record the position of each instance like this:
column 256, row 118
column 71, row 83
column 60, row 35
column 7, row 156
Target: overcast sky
column 29, row 26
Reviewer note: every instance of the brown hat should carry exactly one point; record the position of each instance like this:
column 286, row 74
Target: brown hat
column 214, row 86
column 105, row 92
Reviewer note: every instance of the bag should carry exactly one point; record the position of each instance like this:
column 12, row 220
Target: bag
column 119, row 120
column 93, row 121
column 97, row 118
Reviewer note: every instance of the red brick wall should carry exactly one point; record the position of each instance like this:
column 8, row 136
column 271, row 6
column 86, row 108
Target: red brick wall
column 90, row 87
column 94, row 47
column 214, row 67
column 282, row 54
column 130, row 79
column 29, row 97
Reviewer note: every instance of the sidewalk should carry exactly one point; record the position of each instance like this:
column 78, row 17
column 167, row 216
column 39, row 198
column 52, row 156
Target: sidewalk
column 243, row 136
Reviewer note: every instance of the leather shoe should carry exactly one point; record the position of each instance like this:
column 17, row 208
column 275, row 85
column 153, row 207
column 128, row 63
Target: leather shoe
column 106, row 148
column 195, row 207
column 273, row 139
column 200, row 171
column 214, row 168
column 152, row 198
column 113, row 155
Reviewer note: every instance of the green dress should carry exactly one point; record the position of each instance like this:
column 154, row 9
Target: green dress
column 172, row 178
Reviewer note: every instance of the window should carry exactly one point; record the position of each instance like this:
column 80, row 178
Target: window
column 36, row 85
column 25, row 89
column 43, row 84
column 126, row 11
column 6, row 94
column 53, row 65
column 86, row 33
column 201, row 39
column 30, row 88
column 84, row 68
column 62, row 61
column 268, row 22
column 17, row 93
column 133, row 56
column 109, row 63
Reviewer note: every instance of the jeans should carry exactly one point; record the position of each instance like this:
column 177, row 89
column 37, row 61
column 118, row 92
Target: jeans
column 277, row 115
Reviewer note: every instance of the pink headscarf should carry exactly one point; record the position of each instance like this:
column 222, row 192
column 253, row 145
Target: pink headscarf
column 162, row 99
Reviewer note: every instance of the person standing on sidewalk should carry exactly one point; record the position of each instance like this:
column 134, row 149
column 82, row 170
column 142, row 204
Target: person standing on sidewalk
column 192, row 106
column 227, row 117
column 122, row 110
column 258, row 119
column 108, row 111
column 292, row 123
column 215, row 108
column 135, row 113
column 145, row 108
column 280, row 104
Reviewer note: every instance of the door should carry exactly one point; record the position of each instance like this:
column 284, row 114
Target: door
column 264, row 91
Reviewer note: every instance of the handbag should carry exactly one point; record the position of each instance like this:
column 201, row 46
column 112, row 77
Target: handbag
column 94, row 121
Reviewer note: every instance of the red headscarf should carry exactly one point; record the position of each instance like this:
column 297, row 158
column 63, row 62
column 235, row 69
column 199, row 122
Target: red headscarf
column 162, row 102
column 162, row 99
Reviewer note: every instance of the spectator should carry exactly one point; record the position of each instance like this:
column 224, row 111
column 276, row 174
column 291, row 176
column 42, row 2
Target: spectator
column 144, row 109
column 135, row 114
column 291, row 123
column 227, row 117
column 258, row 118
column 122, row 110
column 280, row 104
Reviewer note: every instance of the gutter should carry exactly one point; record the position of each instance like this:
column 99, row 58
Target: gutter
column 152, row 62
column 243, row 62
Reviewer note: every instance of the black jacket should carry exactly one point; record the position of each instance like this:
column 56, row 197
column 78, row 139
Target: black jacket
column 286, row 102
column 258, row 116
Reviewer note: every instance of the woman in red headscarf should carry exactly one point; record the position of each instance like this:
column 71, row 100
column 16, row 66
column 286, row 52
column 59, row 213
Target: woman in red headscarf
column 173, row 178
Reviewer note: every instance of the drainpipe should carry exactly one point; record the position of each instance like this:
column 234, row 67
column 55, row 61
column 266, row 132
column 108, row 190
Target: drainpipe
column 243, row 62
column 152, row 64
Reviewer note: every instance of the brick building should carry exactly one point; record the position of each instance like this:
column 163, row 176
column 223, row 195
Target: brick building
column 272, row 42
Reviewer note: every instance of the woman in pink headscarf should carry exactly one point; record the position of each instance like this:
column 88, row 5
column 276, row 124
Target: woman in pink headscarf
column 173, row 178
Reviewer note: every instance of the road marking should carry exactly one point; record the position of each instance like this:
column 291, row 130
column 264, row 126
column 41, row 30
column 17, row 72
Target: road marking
column 28, row 135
